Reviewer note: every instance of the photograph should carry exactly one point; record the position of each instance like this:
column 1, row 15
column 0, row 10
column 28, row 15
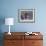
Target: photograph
column 26, row 15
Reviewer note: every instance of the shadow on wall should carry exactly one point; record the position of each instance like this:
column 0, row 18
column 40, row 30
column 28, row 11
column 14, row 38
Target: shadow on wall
column 1, row 39
column 2, row 21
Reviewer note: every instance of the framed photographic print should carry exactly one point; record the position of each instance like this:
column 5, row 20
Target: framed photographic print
column 26, row 15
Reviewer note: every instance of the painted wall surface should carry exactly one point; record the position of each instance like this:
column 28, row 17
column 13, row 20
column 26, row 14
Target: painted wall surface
column 9, row 8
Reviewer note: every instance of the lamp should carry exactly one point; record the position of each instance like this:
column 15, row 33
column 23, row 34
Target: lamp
column 9, row 21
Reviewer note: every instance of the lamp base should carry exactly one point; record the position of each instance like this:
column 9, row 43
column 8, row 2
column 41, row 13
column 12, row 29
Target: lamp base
column 9, row 33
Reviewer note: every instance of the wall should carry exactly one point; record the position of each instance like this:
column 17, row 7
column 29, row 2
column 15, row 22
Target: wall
column 9, row 8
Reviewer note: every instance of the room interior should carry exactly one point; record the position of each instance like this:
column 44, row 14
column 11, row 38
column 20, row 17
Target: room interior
column 9, row 9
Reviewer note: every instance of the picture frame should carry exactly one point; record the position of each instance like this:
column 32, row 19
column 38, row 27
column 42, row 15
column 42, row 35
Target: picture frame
column 26, row 15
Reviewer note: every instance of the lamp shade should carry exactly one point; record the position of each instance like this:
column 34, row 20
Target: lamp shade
column 9, row 21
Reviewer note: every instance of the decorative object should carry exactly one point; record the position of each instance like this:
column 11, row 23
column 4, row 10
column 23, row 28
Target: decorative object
column 30, row 33
column 26, row 15
column 9, row 21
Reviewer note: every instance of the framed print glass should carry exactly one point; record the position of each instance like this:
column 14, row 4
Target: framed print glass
column 26, row 15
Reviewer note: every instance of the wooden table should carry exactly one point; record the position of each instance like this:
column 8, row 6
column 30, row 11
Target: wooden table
column 20, row 39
